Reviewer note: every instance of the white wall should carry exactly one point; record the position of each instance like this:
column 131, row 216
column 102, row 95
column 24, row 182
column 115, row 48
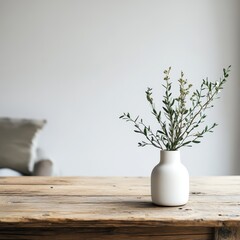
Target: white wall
column 80, row 64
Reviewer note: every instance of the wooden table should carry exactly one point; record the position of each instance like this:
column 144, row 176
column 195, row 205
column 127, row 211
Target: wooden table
column 116, row 208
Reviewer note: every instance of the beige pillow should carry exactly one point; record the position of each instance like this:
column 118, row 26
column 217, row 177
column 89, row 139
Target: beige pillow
column 17, row 143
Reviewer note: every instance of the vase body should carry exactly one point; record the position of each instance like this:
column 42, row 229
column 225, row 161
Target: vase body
column 170, row 180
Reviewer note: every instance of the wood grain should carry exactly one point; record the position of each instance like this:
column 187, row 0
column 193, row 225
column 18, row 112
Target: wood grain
column 154, row 233
column 64, row 207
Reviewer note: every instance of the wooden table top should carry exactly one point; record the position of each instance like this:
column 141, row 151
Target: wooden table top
column 114, row 201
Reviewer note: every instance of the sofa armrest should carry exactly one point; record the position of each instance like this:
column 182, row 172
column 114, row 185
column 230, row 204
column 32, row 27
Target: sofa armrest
column 43, row 167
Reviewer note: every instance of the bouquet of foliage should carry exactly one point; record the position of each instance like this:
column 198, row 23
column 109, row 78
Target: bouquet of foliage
column 179, row 120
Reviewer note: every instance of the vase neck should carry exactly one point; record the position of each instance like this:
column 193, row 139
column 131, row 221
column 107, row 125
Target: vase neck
column 170, row 156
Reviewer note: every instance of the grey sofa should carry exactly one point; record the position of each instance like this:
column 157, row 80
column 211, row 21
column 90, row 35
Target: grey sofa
column 42, row 167
column 19, row 151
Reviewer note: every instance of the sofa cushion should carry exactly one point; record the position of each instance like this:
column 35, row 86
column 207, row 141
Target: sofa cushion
column 17, row 143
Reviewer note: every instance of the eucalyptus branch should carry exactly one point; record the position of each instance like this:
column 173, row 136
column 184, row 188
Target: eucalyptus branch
column 146, row 131
column 210, row 97
column 179, row 123
column 158, row 116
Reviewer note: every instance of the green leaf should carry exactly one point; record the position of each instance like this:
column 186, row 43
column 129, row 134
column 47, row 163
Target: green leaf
column 149, row 98
column 137, row 131
column 145, row 131
column 186, row 143
column 165, row 110
column 136, row 119
column 161, row 132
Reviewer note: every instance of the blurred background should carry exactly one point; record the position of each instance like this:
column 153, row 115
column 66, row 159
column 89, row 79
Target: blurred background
column 81, row 63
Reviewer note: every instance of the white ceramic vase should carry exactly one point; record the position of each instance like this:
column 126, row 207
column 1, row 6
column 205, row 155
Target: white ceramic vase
column 170, row 180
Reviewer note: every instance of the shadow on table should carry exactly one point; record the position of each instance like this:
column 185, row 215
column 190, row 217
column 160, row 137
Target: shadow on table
column 139, row 204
